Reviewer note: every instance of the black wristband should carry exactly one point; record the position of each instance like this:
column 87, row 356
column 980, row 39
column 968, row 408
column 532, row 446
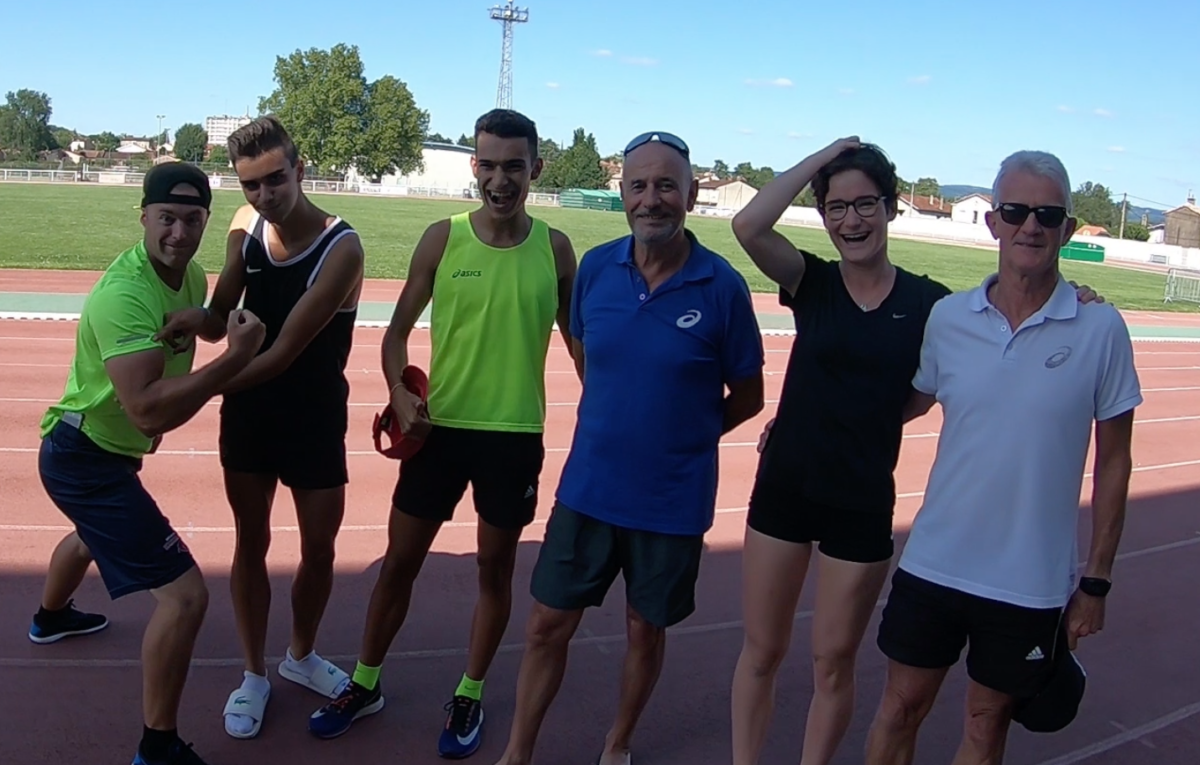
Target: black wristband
column 1094, row 586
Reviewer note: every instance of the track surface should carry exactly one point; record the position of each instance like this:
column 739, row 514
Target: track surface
column 83, row 695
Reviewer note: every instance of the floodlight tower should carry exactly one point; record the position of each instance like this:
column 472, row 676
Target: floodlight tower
column 507, row 15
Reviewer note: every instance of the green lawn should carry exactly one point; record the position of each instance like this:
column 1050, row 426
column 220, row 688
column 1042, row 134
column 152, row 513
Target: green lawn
column 83, row 227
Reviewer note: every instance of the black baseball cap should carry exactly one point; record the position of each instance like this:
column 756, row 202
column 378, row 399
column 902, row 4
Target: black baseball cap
column 157, row 185
column 1055, row 706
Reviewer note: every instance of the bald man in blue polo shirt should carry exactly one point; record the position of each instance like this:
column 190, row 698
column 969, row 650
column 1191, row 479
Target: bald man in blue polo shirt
column 672, row 359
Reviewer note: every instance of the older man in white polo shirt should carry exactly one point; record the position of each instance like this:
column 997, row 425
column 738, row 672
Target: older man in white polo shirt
column 1022, row 370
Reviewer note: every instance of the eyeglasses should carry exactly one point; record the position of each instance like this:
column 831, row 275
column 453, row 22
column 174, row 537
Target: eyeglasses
column 674, row 141
column 1048, row 216
column 864, row 206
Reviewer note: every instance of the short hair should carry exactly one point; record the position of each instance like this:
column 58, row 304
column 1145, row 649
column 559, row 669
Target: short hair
column 1039, row 163
column 259, row 136
column 868, row 159
column 506, row 123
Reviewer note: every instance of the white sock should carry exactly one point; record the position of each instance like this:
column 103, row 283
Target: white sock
column 256, row 684
column 306, row 666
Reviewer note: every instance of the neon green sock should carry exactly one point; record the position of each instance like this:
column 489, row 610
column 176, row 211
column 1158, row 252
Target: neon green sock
column 472, row 689
column 367, row 677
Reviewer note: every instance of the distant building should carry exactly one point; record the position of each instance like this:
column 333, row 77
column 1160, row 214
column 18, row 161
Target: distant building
column 971, row 209
column 1182, row 225
column 220, row 128
column 447, row 170
column 730, row 194
column 925, row 206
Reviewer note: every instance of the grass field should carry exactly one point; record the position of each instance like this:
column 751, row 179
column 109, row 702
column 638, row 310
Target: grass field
column 83, row 227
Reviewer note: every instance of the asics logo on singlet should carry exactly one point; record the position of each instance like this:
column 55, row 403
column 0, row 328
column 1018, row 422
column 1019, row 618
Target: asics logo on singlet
column 461, row 274
column 689, row 319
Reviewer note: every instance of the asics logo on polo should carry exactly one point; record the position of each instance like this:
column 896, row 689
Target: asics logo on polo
column 689, row 319
column 459, row 273
column 1058, row 358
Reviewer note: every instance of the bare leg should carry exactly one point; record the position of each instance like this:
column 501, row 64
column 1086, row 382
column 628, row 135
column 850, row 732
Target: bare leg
column 319, row 514
column 68, row 566
column 167, row 647
column 846, row 597
column 250, row 497
column 985, row 734
column 643, row 665
column 497, row 558
column 773, row 573
column 547, row 638
column 907, row 699
column 409, row 540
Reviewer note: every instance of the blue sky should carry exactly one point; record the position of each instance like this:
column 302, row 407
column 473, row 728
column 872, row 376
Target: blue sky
column 948, row 89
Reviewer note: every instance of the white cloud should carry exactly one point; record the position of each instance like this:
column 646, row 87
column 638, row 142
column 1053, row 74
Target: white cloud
column 745, row 131
column 846, row 91
column 1102, row 113
column 639, row 61
column 795, row 135
column 602, row 53
column 1065, row 109
column 778, row 82
column 552, row 85
column 920, row 80
column 1116, row 149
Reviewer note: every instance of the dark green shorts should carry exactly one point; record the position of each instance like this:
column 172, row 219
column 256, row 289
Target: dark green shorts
column 581, row 557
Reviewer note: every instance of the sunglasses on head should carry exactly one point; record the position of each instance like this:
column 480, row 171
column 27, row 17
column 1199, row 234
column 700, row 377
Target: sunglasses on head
column 1048, row 216
column 674, row 141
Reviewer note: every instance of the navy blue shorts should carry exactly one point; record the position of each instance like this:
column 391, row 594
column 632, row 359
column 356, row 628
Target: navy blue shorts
column 131, row 541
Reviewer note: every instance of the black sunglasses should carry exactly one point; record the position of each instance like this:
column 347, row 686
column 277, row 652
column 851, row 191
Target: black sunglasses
column 674, row 141
column 1049, row 216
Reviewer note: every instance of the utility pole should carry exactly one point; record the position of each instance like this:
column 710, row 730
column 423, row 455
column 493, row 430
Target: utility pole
column 1124, row 212
column 507, row 15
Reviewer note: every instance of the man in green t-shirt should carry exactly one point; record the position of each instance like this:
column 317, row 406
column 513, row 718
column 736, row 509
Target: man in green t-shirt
column 127, row 386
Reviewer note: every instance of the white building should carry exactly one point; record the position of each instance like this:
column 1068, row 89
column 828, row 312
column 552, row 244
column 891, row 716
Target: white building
column 447, row 170
column 971, row 209
column 221, row 127
column 731, row 194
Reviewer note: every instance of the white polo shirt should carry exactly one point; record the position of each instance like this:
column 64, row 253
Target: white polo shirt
column 1002, row 503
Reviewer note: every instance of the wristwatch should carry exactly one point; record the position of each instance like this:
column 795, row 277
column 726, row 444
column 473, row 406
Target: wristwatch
column 1094, row 586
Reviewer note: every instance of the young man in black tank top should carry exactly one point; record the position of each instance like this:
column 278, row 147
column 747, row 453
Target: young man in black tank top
column 284, row 417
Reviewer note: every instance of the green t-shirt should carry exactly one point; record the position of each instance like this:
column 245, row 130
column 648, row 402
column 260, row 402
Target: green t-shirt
column 120, row 316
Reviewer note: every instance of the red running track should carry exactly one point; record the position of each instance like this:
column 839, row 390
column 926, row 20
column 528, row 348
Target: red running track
column 83, row 695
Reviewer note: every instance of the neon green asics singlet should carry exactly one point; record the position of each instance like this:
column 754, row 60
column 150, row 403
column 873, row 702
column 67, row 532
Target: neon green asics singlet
column 491, row 322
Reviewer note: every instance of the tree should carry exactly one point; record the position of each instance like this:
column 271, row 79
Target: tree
column 720, row 169
column 326, row 103
column 395, row 131
column 1093, row 203
column 105, row 142
column 576, row 168
column 218, row 156
column 1137, row 232
column 191, row 140
column 466, row 140
column 25, row 123
column 438, row 138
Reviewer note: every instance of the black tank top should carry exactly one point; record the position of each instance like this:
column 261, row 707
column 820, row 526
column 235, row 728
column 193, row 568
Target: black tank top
column 316, row 379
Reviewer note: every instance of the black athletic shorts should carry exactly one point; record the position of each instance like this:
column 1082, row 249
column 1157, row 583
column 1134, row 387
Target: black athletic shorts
column 927, row 625
column 849, row 535
column 303, row 446
column 128, row 536
column 503, row 469
column 581, row 556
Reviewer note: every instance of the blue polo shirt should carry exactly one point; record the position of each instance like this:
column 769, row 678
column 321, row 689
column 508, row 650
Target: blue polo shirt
column 651, row 415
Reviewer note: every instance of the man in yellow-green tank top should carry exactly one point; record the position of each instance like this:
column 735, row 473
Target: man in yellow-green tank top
column 499, row 281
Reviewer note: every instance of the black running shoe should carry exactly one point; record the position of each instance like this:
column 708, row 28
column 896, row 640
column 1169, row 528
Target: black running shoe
column 335, row 718
column 52, row 626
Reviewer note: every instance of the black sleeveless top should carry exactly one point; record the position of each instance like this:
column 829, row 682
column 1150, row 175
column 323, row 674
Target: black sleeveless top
column 315, row 383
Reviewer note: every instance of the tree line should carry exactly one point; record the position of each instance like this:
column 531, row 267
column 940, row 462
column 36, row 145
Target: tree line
column 340, row 120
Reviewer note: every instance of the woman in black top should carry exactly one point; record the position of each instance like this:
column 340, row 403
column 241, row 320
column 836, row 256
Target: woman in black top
column 825, row 475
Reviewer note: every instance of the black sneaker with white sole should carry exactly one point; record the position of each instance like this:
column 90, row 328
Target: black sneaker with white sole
column 52, row 626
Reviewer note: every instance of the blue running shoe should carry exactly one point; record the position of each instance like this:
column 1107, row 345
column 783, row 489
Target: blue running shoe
column 52, row 626
column 335, row 718
column 464, row 729
column 179, row 754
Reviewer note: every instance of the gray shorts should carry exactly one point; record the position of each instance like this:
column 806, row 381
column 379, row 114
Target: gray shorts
column 580, row 558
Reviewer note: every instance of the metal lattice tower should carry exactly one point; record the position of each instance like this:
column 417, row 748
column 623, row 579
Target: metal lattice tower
column 507, row 15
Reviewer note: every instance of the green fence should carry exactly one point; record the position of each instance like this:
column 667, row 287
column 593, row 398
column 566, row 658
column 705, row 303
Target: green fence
column 591, row 199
